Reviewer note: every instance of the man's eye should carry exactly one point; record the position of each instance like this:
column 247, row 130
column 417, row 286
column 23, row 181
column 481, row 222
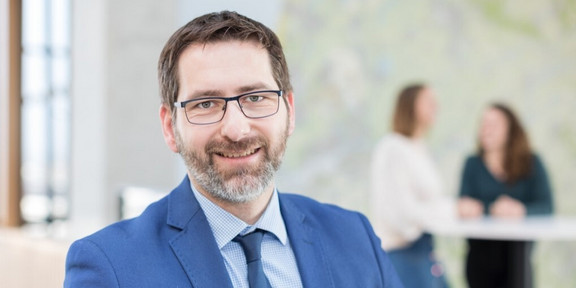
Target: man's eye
column 205, row 105
column 254, row 98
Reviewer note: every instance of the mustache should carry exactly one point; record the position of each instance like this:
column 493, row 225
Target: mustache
column 226, row 145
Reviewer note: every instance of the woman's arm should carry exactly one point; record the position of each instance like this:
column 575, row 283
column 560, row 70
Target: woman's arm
column 540, row 191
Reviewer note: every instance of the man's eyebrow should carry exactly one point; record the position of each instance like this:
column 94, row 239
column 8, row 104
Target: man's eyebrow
column 206, row 93
column 238, row 91
column 253, row 87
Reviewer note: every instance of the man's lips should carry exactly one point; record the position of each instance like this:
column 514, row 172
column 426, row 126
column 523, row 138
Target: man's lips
column 237, row 154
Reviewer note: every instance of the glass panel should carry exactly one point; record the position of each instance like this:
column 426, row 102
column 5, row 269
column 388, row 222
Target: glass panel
column 60, row 35
column 61, row 73
column 45, row 109
column 33, row 23
column 34, row 81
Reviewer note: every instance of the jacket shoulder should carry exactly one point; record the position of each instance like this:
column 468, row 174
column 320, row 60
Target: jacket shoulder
column 311, row 205
column 106, row 257
column 125, row 233
column 323, row 213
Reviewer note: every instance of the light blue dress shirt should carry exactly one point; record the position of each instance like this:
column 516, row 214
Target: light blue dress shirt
column 278, row 259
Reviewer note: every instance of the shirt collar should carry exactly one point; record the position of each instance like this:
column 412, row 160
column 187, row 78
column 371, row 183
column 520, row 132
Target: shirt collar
column 226, row 226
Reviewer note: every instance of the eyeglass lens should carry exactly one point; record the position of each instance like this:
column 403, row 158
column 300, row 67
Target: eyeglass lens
column 253, row 105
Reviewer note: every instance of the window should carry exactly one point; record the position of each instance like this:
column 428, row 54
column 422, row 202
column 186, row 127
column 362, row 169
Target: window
column 45, row 110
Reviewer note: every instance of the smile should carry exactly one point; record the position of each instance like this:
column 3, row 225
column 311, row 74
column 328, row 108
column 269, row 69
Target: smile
column 239, row 154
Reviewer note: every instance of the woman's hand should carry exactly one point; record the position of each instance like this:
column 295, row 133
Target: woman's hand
column 470, row 208
column 507, row 207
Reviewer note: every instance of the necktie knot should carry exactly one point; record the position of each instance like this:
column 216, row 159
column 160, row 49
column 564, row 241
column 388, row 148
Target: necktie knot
column 251, row 244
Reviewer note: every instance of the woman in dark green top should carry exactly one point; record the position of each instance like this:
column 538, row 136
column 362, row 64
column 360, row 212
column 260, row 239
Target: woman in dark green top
column 533, row 191
column 505, row 180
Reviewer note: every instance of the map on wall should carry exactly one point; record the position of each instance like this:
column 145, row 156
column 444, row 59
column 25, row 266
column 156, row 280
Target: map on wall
column 348, row 60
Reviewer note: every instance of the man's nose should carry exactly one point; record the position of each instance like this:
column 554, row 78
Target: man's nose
column 235, row 125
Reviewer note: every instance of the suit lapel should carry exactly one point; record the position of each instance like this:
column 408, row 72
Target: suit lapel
column 195, row 246
column 307, row 246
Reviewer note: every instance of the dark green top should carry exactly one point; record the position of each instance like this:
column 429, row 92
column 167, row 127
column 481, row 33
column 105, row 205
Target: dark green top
column 533, row 191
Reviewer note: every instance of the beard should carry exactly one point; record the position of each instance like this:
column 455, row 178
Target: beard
column 234, row 185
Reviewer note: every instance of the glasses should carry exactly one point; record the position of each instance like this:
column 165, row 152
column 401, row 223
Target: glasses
column 209, row 110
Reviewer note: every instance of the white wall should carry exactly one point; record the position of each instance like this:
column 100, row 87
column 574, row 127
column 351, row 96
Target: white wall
column 265, row 11
column 116, row 133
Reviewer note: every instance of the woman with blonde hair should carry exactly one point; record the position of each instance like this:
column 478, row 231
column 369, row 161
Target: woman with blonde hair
column 504, row 180
column 407, row 191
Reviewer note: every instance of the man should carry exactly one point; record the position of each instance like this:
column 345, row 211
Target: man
column 228, row 109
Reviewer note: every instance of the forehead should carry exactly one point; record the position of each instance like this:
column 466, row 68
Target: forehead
column 425, row 94
column 495, row 115
column 223, row 53
column 224, row 64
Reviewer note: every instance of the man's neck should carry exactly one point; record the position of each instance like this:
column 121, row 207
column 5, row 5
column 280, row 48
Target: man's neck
column 249, row 212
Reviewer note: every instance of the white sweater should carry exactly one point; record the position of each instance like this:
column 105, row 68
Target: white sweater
column 406, row 191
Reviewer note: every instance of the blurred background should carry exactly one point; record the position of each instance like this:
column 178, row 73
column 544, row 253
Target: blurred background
column 81, row 139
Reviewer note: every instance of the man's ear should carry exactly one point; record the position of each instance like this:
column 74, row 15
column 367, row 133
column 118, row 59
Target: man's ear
column 168, row 127
column 291, row 113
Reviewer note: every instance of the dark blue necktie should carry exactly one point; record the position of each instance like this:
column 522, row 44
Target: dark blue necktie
column 251, row 244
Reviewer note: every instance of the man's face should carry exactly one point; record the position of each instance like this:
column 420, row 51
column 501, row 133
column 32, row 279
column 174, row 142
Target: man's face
column 235, row 159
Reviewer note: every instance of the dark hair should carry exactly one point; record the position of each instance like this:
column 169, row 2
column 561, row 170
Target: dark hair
column 517, row 152
column 404, row 121
column 217, row 27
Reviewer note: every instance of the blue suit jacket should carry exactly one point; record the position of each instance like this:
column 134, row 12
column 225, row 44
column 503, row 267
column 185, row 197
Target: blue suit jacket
column 171, row 245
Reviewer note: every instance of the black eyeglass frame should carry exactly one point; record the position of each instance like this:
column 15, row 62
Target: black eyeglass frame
column 182, row 104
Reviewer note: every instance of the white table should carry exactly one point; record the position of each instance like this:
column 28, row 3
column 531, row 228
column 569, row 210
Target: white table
column 532, row 228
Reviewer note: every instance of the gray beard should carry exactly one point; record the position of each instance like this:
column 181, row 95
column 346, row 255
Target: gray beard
column 238, row 186
column 244, row 187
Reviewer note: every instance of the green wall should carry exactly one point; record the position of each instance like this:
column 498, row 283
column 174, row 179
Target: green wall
column 348, row 59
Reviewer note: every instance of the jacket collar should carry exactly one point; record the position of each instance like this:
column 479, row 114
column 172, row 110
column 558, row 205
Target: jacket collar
column 195, row 240
column 306, row 244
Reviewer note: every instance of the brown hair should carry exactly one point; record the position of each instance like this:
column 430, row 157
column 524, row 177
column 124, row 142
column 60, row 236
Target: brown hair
column 517, row 152
column 404, row 121
column 216, row 27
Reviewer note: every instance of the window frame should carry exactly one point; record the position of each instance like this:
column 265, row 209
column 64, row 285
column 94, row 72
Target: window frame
column 10, row 123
